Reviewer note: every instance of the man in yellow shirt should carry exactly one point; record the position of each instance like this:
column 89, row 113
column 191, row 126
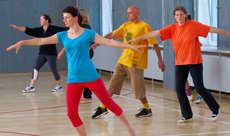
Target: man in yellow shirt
column 131, row 63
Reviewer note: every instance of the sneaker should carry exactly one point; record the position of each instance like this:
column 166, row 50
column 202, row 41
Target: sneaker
column 144, row 113
column 190, row 98
column 99, row 112
column 29, row 89
column 199, row 100
column 183, row 120
column 58, row 88
column 215, row 115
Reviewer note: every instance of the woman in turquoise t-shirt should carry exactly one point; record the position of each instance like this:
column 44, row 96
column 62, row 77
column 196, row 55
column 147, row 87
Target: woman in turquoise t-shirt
column 81, row 71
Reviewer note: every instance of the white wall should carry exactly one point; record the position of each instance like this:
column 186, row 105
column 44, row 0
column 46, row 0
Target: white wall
column 216, row 66
column 153, row 70
column 216, row 71
column 105, row 58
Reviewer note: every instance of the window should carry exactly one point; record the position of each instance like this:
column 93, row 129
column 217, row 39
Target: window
column 207, row 14
column 106, row 17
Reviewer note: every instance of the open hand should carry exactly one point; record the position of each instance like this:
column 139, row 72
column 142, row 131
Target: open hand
column 133, row 40
column 137, row 48
column 15, row 46
column 14, row 26
column 93, row 46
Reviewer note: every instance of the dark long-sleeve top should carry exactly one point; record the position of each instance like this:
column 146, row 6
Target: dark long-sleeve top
column 91, row 52
column 39, row 32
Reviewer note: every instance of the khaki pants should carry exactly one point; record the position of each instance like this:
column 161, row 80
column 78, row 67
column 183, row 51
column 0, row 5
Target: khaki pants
column 136, row 76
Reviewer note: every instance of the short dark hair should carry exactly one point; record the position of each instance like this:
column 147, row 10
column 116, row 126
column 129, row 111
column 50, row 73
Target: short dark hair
column 74, row 12
column 47, row 17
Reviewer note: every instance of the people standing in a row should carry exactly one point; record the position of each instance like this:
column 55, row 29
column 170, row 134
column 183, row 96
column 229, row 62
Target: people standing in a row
column 81, row 71
column 188, row 58
column 87, row 94
column 47, row 53
column 131, row 63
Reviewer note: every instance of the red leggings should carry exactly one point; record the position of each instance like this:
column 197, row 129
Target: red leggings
column 73, row 96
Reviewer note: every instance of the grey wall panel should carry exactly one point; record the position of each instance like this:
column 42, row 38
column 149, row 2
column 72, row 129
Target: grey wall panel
column 150, row 12
column 93, row 9
column 169, row 74
column 26, row 13
column 120, row 12
column 223, row 42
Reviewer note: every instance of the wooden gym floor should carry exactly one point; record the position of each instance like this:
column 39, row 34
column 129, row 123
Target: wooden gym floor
column 43, row 113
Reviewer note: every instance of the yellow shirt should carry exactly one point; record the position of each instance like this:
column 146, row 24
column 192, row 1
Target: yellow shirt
column 129, row 31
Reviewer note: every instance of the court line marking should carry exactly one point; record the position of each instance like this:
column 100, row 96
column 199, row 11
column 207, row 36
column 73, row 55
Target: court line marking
column 220, row 132
column 124, row 96
column 227, row 123
column 6, row 132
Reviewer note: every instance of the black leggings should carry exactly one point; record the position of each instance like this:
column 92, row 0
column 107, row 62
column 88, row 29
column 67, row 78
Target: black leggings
column 41, row 60
column 196, row 71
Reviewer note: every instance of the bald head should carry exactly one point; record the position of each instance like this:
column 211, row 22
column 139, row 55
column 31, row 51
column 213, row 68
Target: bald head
column 134, row 8
column 133, row 14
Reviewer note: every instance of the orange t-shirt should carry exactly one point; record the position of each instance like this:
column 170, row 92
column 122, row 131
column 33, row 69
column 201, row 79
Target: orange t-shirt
column 185, row 41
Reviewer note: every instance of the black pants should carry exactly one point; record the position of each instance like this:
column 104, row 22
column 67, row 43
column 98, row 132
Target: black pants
column 87, row 93
column 196, row 71
column 41, row 60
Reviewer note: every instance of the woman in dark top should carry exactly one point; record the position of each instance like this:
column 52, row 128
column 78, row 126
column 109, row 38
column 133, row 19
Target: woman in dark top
column 46, row 53
column 87, row 94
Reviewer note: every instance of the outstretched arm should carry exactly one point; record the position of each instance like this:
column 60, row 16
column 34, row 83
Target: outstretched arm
column 108, row 36
column 34, row 42
column 219, row 31
column 19, row 28
column 116, row 44
column 147, row 36
column 161, row 63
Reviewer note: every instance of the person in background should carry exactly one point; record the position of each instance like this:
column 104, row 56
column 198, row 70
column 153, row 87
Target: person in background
column 188, row 91
column 47, row 53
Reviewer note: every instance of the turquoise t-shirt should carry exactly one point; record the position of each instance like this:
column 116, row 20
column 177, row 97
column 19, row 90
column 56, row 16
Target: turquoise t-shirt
column 80, row 66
